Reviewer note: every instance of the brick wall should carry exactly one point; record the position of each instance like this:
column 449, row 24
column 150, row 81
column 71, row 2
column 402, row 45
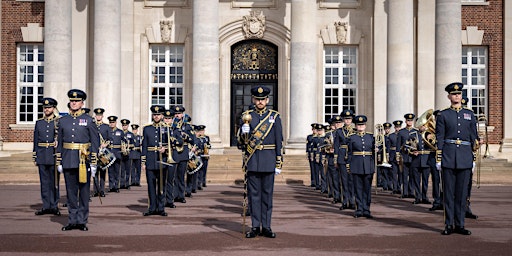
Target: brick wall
column 490, row 19
column 14, row 16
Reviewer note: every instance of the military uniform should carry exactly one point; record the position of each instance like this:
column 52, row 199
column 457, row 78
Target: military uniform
column 126, row 163
column 44, row 157
column 135, row 156
column 396, row 177
column 116, row 138
column 401, row 151
column 385, row 170
column 332, row 171
column 361, row 163
column 321, row 164
column 309, row 153
column 78, row 144
column 171, row 166
column 341, row 156
column 205, row 145
column 263, row 149
column 456, row 135
column 154, row 135
column 420, row 165
column 101, row 174
column 182, row 157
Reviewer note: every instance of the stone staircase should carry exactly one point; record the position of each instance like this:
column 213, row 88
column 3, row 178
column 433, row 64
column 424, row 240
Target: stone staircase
column 17, row 168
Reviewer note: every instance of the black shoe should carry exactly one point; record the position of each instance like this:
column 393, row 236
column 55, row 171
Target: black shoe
column 417, row 201
column 42, row 212
column 425, row 201
column 194, row 191
column 253, row 233
column 367, row 215
column 436, row 207
column 188, row 194
column 163, row 213
column 343, row 206
column 358, row 215
column 112, row 190
column 181, row 200
column 122, row 187
column 462, row 231
column 116, row 190
column 329, row 196
column 81, row 227
column 448, row 230
column 55, row 211
column 102, row 194
column 95, row 194
column 204, row 185
column 267, row 232
column 170, row 205
column 352, row 206
column 335, row 201
column 148, row 213
column 470, row 215
column 69, row 227
column 199, row 188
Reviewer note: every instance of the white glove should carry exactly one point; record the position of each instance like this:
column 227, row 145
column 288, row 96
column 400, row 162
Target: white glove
column 59, row 169
column 278, row 171
column 93, row 170
column 473, row 169
column 438, row 166
column 246, row 128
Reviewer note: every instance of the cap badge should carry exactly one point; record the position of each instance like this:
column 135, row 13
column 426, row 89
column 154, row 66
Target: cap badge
column 360, row 119
column 347, row 113
column 74, row 94
column 157, row 108
column 46, row 102
column 260, row 90
column 456, row 87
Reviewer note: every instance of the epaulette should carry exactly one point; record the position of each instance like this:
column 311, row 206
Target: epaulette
column 469, row 109
column 147, row 125
column 369, row 132
column 247, row 111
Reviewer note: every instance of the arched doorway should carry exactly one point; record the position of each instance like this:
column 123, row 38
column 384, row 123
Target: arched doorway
column 253, row 63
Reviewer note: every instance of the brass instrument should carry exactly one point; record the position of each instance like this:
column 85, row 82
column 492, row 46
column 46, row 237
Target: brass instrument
column 411, row 144
column 478, row 150
column 170, row 160
column 328, row 145
column 428, row 120
column 125, row 148
column 380, row 140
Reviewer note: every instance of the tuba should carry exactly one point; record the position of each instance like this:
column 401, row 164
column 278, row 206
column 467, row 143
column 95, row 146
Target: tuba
column 428, row 120
column 380, row 140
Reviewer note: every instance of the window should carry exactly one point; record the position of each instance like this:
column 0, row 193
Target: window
column 474, row 78
column 30, row 79
column 340, row 79
column 166, row 75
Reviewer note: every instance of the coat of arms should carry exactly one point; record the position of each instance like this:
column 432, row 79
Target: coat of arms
column 254, row 25
column 341, row 32
column 165, row 30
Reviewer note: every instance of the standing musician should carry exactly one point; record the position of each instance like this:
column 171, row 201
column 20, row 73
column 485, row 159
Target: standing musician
column 171, row 167
column 191, row 183
column 310, row 154
column 181, row 157
column 263, row 150
column 437, row 195
column 320, row 156
column 205, row 156
column 456, row 136
column 469, row 212
column 116, row 138
column 340, row 154
column 135, row 156
column 420, row 156
column 103, row 130
column 361, row 164
column 43, row 155
column 333, row 174
column 386, row 171
column 77, row 148
column 394, row 158
column 125, row 153
column 405, row 158
column 153, row 150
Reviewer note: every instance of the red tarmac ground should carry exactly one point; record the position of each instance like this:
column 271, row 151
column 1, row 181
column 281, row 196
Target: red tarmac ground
column 209, row 224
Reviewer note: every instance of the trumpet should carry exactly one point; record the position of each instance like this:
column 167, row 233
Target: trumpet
column 380, row 140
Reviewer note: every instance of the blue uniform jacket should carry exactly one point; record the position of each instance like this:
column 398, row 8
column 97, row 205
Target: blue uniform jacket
column 44, row 133
column 116, row 137
column 340, row 144
column 361, row 152
column 79, row 128
column 154, row 136
column 136, row 150
column 403, row 136
column 456, row 134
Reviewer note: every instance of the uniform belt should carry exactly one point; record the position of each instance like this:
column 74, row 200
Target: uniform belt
column 76, row 146
column 131, row 145
column 115, row 146
column 136, row 148
column 46, row 144
column 153, row 148
column 268, row 146
column 458, row 142
column 344, row 146
column 424, row 152
column 392, row 148
column 362, row 153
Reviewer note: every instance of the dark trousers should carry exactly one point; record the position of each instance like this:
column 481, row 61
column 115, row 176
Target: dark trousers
column 436, row 188
column 170, row 182
column 334, row 178
column 406, row 179
column 261, row 190
column 156, row 194
column 179, row 180
column 125, row 172
column 455, row 189
column 421, row 175
column 394, row 177
column 347, row 185
column 312, row 171
column 316, row 174
column 99, row 180
column 201, row 177
column 77, row 196
column 191, row 182
column 135, row 172
column 113, row 174
column 362, row 189
column 49, row 190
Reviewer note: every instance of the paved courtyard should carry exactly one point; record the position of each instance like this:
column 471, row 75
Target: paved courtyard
column 305, row 221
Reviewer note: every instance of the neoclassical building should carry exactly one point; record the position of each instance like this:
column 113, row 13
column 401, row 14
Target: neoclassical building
column 380, row 58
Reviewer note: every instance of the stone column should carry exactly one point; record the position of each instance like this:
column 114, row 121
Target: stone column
column 400, row 91
column 507, row 97
column 107, row 56
column 205, row 66
column 304, row 86
column 57, row 50
column 448, row 48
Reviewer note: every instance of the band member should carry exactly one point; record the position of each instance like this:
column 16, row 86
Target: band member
column 77, row 147
column 420, row 156
column 171, row 168
column 469, row 212
column 320, row 156
column 332, row 171
column 192, row 173
column 310, row 154
column 103, row 131
column 205, row 156
column 394, row 158
column 183, row 156
column 360, row 163
column 263, row 138
column 153, row 150
column 125, row 153
column 386, row 170
column 44, row 157
column 437, row 195
column 135, row 156
column 405, row 158
column 340, row 147
column 116, row 138
column 456, row 136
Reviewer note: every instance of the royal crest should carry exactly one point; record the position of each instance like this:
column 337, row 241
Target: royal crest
column 341, row 32
column 165, row 30
column 254, row 25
